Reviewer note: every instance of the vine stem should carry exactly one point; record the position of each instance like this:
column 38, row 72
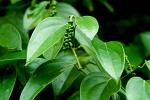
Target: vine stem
column 133, row 70
column 78, row 62
column 128, row 63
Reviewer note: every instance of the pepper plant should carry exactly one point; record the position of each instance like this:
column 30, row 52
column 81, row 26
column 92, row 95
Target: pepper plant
column 64, row 53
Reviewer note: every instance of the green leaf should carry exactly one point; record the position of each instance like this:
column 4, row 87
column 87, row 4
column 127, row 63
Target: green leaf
column 10, row 37
column 88, row 25
column 52, row 52
column 89, row 68
column 115, row 96
column 65, row 80
column 84, row 41
column 145, row 38
column 46, row 35
column 33, row 16
column 111, row 55
column 148, row 64
column 65, row 10
column 15, row 19
column 20, row 71
column 7, row 82
column 135, row 54
column 96, row 86
column 12, row 56
column 138, row 89
column 42, row 77
column 35, row 64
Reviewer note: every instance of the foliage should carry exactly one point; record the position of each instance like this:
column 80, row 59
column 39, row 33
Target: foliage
column 51, row 47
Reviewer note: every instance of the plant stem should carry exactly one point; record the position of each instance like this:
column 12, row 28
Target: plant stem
column 78, row 62
column 129, row 64
column 134, row 70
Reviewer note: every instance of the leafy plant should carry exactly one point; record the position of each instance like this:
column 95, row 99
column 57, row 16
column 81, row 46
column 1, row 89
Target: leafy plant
column 64, row 53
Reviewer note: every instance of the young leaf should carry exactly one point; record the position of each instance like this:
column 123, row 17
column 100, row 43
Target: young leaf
column 138, row 89
column 65, row 10
column 42, row 77
column 148, row 64
column 65, row 80
column 111, row 56
column 88, row 25
column 7, row 82
column 97, row 87
column 10, row 37
column 33, row 16
column 46, row 34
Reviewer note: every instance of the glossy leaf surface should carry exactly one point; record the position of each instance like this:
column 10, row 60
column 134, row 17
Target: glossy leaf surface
column 138, row 89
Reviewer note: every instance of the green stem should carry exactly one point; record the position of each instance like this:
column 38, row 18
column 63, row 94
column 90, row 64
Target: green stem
column 133, row 71
column 78, row 62
column 122, row 90
column 129, row 64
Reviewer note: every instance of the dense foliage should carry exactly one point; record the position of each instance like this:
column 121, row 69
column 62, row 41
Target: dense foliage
column 48, row 50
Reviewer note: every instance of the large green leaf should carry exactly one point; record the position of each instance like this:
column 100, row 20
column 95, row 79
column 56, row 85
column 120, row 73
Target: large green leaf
column 10, row 37
column 7, row 82
column 35, row 15
column 65, row 80
column 111, row 56
column 148, row 64
column 12, row 56
column 96, row 86
column 88, row 25
column 65, row 10
column 138, row 89
column 46, row 34
column 52, row 52
column 42, row 77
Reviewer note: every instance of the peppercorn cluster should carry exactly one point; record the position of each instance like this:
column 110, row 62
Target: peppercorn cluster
column 53, row 4
column 69, row 36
